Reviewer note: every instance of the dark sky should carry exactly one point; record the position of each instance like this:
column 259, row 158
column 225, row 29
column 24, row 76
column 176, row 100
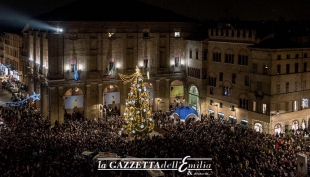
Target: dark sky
column 199, row 9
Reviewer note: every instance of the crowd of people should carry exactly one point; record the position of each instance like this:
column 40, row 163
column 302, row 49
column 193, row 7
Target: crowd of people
column 30, row 146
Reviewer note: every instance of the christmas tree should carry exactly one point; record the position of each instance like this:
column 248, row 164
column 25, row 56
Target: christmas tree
column 138, row 116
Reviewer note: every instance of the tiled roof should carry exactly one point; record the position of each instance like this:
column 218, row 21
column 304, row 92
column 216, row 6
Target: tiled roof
column 279, row 42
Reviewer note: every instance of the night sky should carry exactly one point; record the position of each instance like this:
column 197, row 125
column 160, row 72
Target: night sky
column 199, row 9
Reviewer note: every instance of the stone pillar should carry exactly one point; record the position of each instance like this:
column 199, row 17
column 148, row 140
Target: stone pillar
column 124, row 96
column 100, row 99
column 167, row 96
column 44, row 101
column 86, row 108
column 30, row 85
column 157, row 96
column 53, row 105
column 60, row 105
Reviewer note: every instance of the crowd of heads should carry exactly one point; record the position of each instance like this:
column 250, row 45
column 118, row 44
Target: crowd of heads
column 30, row 146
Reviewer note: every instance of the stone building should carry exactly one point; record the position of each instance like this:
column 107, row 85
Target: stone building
column 74, row 60
column 74, row 55
column 10, row 47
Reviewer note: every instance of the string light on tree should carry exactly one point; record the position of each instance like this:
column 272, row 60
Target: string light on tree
column 138, row 116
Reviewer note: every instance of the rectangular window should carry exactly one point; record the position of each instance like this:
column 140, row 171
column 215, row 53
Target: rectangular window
column 197, row 54
column 305, row 55
column 254, row 67
column 288, row 56
column 111, row 35
column 264, row 108
column 305, row 66
column 145, row 35
column 227, row 91
column 296, row 67
column 259, row 86
column 296, row 56
column 221, row 76
column 286, row 106
column 296, row 86
column 278, row 69
column 177, row 34
column 233, row 78
column 287, row 68
column 265, row 69
column 247, row 81
column 212, row 81
column 190, row 54
column 287, row 87
column 278, row 88
column 279, row 57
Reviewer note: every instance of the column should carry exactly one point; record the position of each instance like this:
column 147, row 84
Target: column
column 100, row 99
column 124, row 96
column 44, row 101
column 53, row 112
column 87, row 95
column 167, row 96
column 60, row 105
column 157, row 96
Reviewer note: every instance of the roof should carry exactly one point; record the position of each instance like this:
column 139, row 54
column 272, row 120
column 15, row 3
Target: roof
column 185, row 111
column 116, row 10
column 277, row 43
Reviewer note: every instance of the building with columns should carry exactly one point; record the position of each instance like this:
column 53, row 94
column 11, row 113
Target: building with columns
column 76, row 68
column 74, row 55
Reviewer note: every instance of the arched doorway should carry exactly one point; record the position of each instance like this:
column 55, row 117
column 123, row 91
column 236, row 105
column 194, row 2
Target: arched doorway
column 176, row 95
column 258, row 127
column 295, row 125
column 111, row 100
column 193, row 98
column 73, row 100
column 277, row 129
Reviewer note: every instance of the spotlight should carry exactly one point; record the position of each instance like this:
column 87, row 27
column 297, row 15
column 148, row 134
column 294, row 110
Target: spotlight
column 59, row 30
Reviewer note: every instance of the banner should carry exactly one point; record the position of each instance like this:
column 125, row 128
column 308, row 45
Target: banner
column 73, row 101
column 111, row 98
column 176, row 91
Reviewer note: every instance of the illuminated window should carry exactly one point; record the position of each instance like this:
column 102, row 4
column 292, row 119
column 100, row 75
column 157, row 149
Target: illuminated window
column 277, row 129
column 177, row 34
column 111, row 35
column 304, row 103
column 295, row 125
column 264, row 108
column 258, row 127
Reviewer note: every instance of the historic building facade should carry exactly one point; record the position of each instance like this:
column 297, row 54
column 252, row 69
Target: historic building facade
column 74, row 65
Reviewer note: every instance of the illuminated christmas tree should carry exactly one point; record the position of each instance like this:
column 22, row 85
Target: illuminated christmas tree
column 138, row 116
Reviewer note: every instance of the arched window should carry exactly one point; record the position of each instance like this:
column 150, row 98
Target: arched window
column 295, row 125
column 277, row 129
column 258, row 127
column 303, row 124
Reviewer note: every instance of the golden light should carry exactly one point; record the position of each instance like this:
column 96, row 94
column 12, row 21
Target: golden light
column 138, row 116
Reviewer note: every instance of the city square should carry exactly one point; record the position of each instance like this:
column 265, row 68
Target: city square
column 83, row 87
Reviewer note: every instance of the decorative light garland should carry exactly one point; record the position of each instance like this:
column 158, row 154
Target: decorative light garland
column 138, row 116
column 34, row 97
